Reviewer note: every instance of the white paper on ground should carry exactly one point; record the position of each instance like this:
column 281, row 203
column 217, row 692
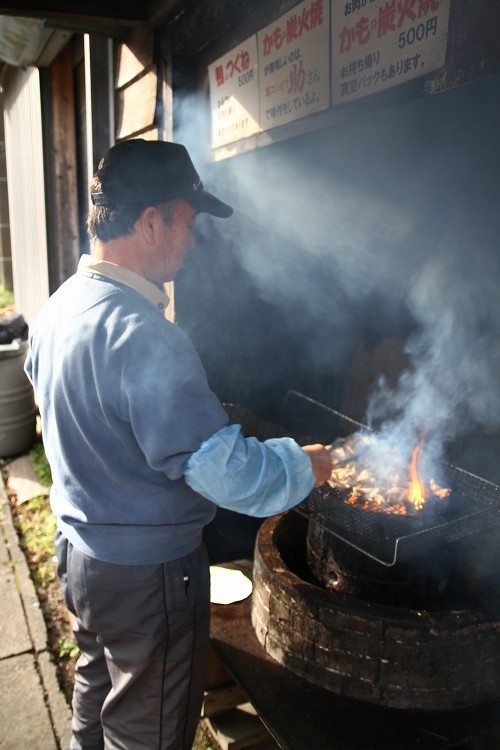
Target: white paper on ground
column 228, row 586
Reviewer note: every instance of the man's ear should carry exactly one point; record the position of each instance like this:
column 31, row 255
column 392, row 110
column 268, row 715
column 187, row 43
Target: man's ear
column 147, row 224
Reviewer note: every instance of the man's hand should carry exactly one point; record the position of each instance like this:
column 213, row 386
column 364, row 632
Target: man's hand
column 321, row 462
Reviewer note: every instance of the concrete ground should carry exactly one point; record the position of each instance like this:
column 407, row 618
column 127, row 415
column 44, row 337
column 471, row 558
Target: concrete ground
column 34, row 714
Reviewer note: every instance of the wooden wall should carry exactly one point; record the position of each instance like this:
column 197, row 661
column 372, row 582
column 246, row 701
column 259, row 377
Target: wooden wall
column 136, row 87
column 61, row 172
column 25, row 175
column 5, row 251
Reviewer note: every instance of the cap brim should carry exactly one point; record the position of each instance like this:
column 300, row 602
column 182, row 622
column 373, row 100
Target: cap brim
column 209, row 204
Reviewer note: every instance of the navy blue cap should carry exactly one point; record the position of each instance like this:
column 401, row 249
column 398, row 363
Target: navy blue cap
column 152, row 172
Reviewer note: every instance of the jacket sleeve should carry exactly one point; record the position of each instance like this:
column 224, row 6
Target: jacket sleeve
column 248, row 476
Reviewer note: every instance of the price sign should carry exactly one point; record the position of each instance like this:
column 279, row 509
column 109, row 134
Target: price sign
column 234, row 94
column 377, row 44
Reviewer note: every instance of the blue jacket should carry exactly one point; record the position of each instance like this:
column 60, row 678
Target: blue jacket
column 137, row 442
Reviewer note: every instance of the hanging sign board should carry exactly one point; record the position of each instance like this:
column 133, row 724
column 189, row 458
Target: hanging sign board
column 377, row 44
column 234, row 94
column 294, row 70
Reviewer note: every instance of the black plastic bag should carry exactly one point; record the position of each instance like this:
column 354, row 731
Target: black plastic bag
column 13, row 327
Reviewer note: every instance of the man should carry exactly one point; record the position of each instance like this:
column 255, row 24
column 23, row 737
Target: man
column 141, row 452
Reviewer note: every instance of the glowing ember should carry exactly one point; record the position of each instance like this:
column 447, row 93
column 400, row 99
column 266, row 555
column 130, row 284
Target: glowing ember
column 377, row 480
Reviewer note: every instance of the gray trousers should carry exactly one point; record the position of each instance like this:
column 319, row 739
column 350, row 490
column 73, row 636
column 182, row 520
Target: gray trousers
column 143, row 633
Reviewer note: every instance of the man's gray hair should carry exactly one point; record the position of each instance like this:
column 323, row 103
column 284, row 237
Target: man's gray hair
column 110, row 222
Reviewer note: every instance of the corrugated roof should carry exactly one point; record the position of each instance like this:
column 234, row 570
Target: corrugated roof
column 33, row 31
column 22, row 40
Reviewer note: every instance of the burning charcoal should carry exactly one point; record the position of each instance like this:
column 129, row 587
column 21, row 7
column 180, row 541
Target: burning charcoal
column 378, row 481
column 441, row 492
column 364, row 476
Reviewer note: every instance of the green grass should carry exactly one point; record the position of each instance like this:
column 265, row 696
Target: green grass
column 38, row 523
column 6, row 296
column 38, row 538
column 40, row 464
column 67, row 648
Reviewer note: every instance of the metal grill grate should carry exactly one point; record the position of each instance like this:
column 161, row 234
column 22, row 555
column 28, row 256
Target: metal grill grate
column 473, row 506
column 387, row 539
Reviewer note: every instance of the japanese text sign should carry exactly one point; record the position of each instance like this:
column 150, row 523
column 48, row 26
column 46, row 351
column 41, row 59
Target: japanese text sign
column 234, row 94
column 294, row 74
column 377, row 44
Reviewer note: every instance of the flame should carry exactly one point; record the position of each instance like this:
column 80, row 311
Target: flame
column 383, row 484
column 417, row 493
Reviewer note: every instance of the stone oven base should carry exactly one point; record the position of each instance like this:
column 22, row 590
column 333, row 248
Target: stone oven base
column 385, row 655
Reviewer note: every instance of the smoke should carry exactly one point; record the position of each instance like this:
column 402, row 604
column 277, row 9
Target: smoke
column 372, row 225
column 453, row 384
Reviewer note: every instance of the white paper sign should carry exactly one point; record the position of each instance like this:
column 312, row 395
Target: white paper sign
column 377, row 44
column 294, row 70
column 234, row 94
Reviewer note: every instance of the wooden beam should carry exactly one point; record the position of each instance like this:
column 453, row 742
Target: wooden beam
column 119, row 11
column 159, row 11
column 112, row 17
column 99, row 99
column 64, row 243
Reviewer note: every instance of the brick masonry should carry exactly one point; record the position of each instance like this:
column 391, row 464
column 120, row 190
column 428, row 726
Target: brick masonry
column 387, row 655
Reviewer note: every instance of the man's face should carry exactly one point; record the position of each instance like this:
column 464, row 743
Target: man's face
column 175, row 240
